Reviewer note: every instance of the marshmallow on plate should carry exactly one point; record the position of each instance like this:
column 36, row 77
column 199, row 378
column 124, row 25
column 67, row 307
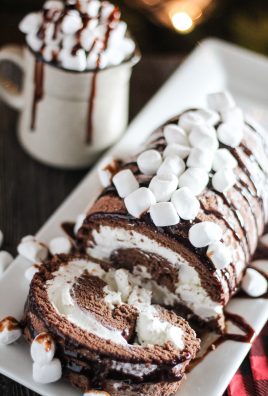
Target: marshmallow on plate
column 223, row 159
column 254, row 284
column 60, row 245
column 32, row 249
column 189, row 119
column 177, row 149
column 149, row 161
column 106, row 170
column 230, row 134
column 172, row 165
column 139, row 201
column 220, row 101
column 10, row 330
column 47, row 373
column 31, row 271
column 196, row 179
column 200, row 158
column 163, row 186
column 79, row 222
column 163, row 214
column 204, row 233
column 223, row 180
column 125, row 183
column 219, row 254
column 43, row 348
column 185, row 203
column 204, row 137
column 175, row 134
column 5, row 260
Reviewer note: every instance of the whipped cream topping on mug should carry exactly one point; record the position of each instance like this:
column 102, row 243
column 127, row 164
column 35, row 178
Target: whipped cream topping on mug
column 78, row 35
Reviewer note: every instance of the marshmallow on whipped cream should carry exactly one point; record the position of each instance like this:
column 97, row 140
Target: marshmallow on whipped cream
column 78, row 35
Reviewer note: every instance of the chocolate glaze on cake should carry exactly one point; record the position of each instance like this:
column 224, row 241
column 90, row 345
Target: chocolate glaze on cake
column 110, row 233
column 96, row 343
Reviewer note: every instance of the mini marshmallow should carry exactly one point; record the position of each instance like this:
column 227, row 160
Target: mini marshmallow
column 254, row 284
column 1, row 238
column 79, row 222
column 163, row 214
column 176, row 149
column 53, row 4
column 106, row 170
column 260, row 266
column 220, row 101
column 60, row 245
column 233, row 116
column 9, row 331
column 204, row 137
column 204, row 233
column 175, row 134
column 172, row 165
column 73, row 62
column 93, row 8
column 96, row 393
column 125, row 183
column 185, row 203
column 87, row 39
column 219, row 254
column 210, row 117
column 190, row 119
column 230, row 134
column 139, row 201
column 196, row 179
column 34, row 42
column 223, row 180
column 149, row 161
column 163, row 186
column 47, row 373
column 200, row 158
column 5, row 260
column 43, row 348
column 223, row 159
column 31, row 271
column 72, row 22
column 118, row 33
column 30, row 23
column 33, row 250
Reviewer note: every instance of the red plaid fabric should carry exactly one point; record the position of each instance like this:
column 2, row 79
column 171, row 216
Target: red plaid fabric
column 252, row 377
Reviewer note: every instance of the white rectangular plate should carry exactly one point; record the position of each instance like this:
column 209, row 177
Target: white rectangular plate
column 213, row 66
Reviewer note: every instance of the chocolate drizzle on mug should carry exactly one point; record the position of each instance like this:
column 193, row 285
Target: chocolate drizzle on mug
column 38, row 89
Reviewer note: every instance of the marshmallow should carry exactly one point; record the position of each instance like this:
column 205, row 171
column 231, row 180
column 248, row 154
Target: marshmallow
column 1, row 238
column 254, row 284
column 233, row 116
column 204, row 137
column 163, row 214
column 60, row 245
column 43, row 348
column 106, row 170
column 163, row 187
column 30, row 23
column 33, row 250
column 185, row 203
column 31, row 271
column 220, row 101
column 175, row 134
column 87, row 39
column 190, row 119
column 79, row 222
column 196, row 179
column 118, row 33
column 5, row 260
column 176, row 149
column 204, row 233
column 223, row 159
column 260, row 266
column 230, row 134
column 149, row 161
column 125, row 183
column 210, row 117
column 53, row 4
column 47, row 373
column 96, row 393
column 219, row 254
column 49, row 52
column 34, row 42
column 93, row 8
column 139, row 201
column 78, row 61
column 9, row 331
column 200, row 158
column 72, row 22
column 172, row 165
column 223, row 180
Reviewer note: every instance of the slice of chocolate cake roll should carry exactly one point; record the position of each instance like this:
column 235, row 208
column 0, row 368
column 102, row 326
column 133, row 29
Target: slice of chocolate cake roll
column 186, row 213
column 100, row 325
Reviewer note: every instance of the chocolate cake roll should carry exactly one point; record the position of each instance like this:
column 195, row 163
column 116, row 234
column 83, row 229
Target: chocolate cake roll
column 106, row 333
column 186, row 213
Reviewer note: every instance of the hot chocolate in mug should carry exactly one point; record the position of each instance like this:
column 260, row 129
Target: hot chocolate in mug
column 67, row 118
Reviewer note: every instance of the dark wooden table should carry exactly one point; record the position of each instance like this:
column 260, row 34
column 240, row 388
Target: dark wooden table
column 30, row 192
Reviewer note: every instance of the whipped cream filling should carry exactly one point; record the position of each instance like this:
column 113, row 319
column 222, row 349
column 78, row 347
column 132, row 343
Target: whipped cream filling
column 189, row 290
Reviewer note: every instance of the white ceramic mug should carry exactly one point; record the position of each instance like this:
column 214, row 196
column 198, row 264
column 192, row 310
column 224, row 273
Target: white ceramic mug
column 67, row 118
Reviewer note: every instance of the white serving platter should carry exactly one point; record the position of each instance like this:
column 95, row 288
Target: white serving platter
column 213, row 66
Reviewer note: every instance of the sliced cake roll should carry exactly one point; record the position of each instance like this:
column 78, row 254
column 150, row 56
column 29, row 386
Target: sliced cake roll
column 186, row 213
column 106, row 333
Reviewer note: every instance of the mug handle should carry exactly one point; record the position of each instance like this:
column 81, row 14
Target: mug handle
column 9, row 92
